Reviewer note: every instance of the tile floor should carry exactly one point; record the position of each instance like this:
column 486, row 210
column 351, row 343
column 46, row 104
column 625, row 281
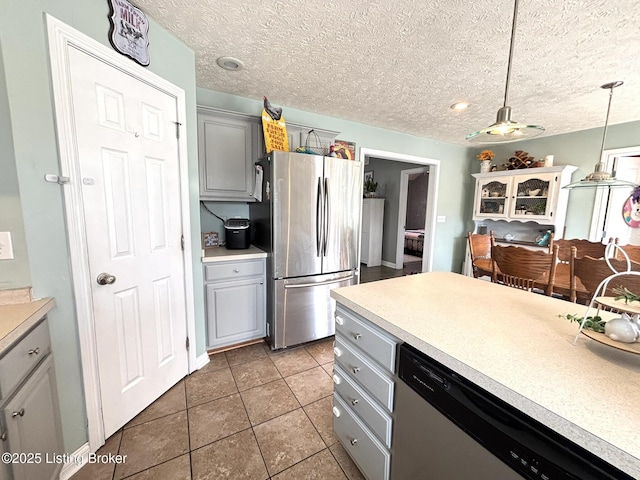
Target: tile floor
column 250, row 413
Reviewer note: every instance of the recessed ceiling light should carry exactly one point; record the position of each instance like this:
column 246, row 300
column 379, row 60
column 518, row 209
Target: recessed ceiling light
column 230, row 63
column 459, row 106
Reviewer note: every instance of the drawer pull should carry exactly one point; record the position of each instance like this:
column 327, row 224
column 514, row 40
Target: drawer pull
column 236, row 270
column 336, row 411
column 34, row 351
column 339, row 320
column 356, row 369
column 336, row 379
column 18, row 413
column 337, row 352
column 357, row 336
column 353, row 441
column 354, row 402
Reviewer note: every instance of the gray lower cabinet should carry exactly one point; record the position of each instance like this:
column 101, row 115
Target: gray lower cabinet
column 364, row 380
column 29, row 414
column 235, row 302
column 228, row 146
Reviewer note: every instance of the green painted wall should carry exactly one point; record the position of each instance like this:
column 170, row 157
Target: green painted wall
column 13, row 273
column 581, row 149
column 455, row 166
column 28, row 90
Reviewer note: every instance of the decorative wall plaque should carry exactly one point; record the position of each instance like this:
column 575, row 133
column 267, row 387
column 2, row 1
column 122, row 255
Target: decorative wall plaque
column 129, row 32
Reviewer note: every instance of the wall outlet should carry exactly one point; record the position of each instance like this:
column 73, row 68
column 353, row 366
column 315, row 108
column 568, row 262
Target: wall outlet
column 441, row 219
column 6, row 249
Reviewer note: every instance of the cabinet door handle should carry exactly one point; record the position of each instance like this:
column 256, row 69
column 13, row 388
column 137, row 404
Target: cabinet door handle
column 336, row 379
column 236, row 270
column 354, row 401
column 339, row 320
column 34, row 351
column 336, row 351
column 353, row 441
column 357, row 336
column 18, row 413
column 356, row 369
column 336, row 411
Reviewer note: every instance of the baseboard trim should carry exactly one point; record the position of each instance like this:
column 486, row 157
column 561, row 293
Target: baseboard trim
column 389, row 264
column 75, row 462
column 201, row 361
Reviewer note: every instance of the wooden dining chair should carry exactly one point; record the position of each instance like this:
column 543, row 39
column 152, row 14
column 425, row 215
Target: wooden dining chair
column 523, row 268
column 480, row 252
column 632, row 251
column 584, row 248
column 587, row 273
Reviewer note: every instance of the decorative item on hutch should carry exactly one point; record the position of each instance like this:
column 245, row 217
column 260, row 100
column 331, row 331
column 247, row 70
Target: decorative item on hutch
column 485, row 157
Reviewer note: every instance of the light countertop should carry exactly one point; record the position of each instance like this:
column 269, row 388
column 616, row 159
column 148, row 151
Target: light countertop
column 513, row 344
column 17, row 319
column 222, row 254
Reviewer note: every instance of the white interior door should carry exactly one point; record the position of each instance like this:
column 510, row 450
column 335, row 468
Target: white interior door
column 129, row 168
column 626, row 168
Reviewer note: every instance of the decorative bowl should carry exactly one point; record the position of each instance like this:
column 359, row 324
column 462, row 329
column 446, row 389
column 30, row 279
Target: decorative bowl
column 534, row 193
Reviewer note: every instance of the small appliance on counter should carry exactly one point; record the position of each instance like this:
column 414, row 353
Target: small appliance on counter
column 237, row 233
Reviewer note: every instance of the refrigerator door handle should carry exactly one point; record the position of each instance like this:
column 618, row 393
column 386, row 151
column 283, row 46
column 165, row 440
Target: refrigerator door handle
column 326, row 215
column 319, row 202
column 327, row 282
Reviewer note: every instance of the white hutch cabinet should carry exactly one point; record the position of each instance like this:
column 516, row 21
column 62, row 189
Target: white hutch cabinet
column 520, row 204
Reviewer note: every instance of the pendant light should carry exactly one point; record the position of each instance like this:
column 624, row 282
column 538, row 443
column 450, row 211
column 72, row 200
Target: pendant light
column 600, row 177
column 505, row 129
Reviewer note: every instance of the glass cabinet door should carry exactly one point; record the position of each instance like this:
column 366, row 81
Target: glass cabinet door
column 492, row 197
column 532, row 196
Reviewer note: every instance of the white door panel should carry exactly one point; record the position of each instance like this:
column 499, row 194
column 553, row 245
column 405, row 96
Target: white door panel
column 129, row 165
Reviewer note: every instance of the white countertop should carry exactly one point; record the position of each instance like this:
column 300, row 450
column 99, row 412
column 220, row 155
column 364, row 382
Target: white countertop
column 17, row 319
column 513, row 344
column 222, row 254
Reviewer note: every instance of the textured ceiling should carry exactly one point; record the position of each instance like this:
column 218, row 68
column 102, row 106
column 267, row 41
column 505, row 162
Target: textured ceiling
column 400, row 64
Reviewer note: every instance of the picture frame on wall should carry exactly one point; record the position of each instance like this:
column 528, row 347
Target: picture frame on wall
column 345, row 149
column 210, row 240
column 368, row 176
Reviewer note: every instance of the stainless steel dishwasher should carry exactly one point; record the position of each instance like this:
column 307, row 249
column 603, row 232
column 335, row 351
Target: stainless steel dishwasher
column 447, row 428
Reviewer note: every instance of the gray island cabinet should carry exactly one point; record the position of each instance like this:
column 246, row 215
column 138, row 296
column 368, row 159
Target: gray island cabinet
column 508, row 342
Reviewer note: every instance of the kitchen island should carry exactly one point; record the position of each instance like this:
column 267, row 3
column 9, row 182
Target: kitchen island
column 512, row 344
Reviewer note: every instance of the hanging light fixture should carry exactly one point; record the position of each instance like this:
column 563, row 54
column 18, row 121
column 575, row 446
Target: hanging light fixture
column 600, row 177
column 505, row 129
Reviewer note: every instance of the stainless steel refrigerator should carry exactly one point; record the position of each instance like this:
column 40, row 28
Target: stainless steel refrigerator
column 308, row 222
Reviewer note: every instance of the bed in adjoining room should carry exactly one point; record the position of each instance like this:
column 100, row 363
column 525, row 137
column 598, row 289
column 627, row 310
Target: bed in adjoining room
column 414, row 242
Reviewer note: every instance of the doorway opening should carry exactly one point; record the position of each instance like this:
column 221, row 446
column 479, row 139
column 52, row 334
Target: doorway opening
column 608, row 220
column 397, row 184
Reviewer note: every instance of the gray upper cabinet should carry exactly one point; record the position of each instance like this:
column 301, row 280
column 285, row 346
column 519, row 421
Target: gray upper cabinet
column 228, row 146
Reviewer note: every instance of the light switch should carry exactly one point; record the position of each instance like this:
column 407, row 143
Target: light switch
column 6, row 249
column 441, row 219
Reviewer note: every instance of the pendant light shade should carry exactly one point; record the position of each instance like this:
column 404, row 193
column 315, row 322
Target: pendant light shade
column 600, row 178
column 505, row 129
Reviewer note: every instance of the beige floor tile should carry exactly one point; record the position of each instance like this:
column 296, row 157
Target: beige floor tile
column 214, row 420
column 101, row 471
column 343, row 458
column 209, row 386
column 151, row 443
column 172, row 401
column 176, row 469
column 321, row 415
column 234, row 457
column 286, row 440
column 269, row 401
column 321, row 466
column 246, row 354
column 217, row 361
column 293, row 361
column 322, row 350
column 328, row 367
column 310, row 385
column 254, row 373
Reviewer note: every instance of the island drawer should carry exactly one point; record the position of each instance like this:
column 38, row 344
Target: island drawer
column 363, row 405
column 367, row 452
column 226, row 271
column 21, row 359
column 379, row 345
column 364, row 372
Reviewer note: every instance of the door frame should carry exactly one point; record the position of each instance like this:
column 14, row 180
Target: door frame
column 432, row 198
column 402, row 213
column 62, row 37
column 600, row 201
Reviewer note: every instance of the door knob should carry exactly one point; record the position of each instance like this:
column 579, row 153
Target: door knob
column 105, row 279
